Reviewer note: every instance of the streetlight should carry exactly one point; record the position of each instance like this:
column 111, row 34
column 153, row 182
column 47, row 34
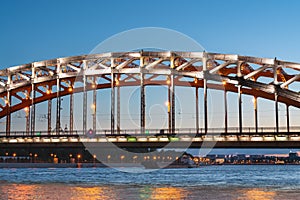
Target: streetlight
column 78, row 157
column 122, row 158
column 35, row 157
column 94, row 159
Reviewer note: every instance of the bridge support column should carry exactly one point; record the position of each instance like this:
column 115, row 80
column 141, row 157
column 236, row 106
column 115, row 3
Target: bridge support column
column 197, row 108
column 112, row 105
column 49, row 115
column 276, row 112
column 8, row 114
column 94, row 106
column 58, row 98
column 118, row 105
column 226, row 112
column 173, row 105
column 275, row 82
column 32, row 117
column 27, row 116
column 255, row 113
column 143, row 106
column 169, row 105
column 240, row 109
column 287, row 118
column 71, row 113
column 84, row 111
column 204, row 63
column 58, row 107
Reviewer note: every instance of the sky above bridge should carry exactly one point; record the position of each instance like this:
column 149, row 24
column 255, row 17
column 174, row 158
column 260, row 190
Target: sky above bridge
column 39, row 30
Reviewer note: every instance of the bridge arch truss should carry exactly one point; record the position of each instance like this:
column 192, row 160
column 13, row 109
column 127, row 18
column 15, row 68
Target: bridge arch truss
column 41, row 81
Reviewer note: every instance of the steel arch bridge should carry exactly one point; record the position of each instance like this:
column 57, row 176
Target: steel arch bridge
column 24, row 86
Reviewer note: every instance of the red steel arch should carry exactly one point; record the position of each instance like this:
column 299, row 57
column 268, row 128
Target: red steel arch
column 36, row 82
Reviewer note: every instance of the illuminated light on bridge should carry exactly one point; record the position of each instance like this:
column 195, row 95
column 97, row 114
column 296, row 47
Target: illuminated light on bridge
column 44, row 81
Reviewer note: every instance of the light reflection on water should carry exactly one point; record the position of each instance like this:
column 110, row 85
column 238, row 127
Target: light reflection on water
column 256, row 194
column 216, row 182
column 69, row 192
column 52, row 191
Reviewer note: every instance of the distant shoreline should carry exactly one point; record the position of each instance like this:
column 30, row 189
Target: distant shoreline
column 97, row 165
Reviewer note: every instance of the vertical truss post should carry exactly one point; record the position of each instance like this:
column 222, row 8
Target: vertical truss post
column 169, row 105
column 8, row 114
column 84, row 113
column 8, row 104
column 94, row 106
column 71, row 112
column 197, row 108
column 287, row 118
column 226, row 111
column 204, row 63
column 58, row 99
column 172, row 104
column 276, row 112
column 240, row 109
column 112, row 100
column 32, row 100
column 118, row 105
column 239, row 74
column 255, row 113
column 27, row 116
column 276, row 95
column 142, row 89
column 49, row 115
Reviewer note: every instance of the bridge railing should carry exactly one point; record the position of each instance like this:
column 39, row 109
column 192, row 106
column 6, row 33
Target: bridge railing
column 179, row 131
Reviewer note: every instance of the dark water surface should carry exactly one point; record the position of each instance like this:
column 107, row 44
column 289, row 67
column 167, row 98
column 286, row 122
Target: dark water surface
column 213, row 182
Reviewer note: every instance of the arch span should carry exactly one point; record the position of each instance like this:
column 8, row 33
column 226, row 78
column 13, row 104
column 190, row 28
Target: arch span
column 21, row 87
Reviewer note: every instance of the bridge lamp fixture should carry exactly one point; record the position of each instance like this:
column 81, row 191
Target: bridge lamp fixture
column 168, row 81
column 195, row 80
column 122, row 157
column 117, row 81
column 167, row 103
column 70, row 89
column 26, row 109
column 224, row 82
column 48, row 91
column 93, row 107
column 14, row 154
column 78, row 156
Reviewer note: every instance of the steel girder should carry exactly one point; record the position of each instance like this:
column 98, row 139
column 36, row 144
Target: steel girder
column 225, row 70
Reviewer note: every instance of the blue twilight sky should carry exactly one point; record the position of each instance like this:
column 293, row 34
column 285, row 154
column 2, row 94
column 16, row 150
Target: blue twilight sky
column 37, row 30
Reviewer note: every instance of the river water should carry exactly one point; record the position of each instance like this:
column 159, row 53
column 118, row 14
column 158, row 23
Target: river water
column 261, row 182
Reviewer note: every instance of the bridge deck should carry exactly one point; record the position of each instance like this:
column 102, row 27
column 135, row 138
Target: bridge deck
column 221, row 140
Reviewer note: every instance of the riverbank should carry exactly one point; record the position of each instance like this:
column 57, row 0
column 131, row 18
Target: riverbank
column 67, row 165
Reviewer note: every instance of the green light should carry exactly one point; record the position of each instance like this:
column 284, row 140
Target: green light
column 131, row 139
